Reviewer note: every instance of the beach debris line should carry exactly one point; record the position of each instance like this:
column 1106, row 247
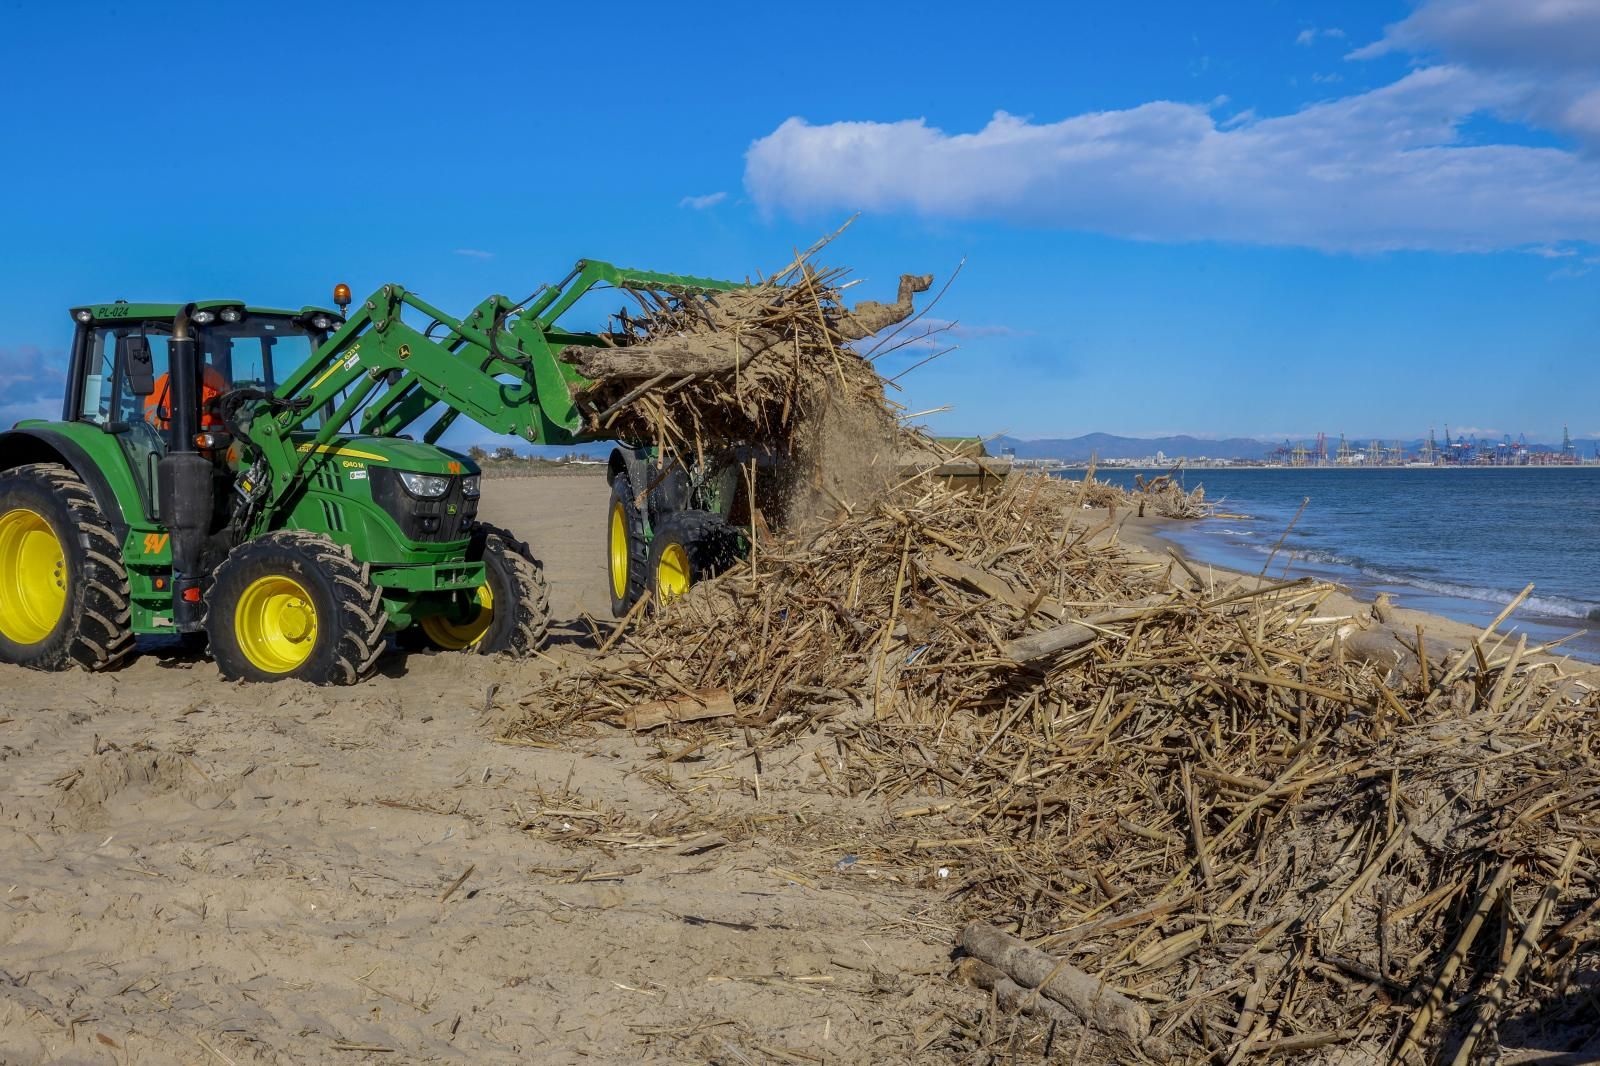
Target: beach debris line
column 1183, row 791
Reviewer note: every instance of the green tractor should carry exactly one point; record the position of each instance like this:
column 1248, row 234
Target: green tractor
column 246, row 477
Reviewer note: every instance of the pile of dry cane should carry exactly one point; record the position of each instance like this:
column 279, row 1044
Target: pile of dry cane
column 1165, row 497
column 747, row 366
column 1192, row 814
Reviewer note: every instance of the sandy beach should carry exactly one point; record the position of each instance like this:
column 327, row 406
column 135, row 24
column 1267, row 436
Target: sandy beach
column 198, row 872
column 203, row 872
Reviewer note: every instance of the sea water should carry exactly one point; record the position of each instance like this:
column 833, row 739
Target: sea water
column 1461, row 542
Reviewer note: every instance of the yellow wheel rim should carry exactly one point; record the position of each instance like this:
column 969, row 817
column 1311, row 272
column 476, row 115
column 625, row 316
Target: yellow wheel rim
column 455, row 636
column 276, row 624
column 618, row 545
column 672, row 573
column 33, row 577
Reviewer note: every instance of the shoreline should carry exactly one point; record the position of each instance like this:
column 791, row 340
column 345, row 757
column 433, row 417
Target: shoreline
column 1352, row 468
column 1145, row 540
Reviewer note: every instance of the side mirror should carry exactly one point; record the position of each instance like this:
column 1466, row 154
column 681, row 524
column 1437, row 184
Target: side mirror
column 141, row 369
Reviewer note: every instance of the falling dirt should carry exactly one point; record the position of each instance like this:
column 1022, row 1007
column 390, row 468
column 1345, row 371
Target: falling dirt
column 846, row 454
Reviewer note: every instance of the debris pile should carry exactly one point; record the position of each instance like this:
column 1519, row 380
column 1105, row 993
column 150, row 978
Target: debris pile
column 749, row 366
column 1165, row 497
column 1184, row 812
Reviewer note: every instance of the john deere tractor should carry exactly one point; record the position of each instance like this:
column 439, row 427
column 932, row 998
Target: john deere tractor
column 246, row 477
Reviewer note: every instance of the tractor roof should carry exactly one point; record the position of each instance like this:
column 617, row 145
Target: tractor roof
column 122, row 309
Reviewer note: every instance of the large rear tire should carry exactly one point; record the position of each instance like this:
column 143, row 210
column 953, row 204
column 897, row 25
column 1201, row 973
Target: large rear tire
column 627, row 548
column 64, row 597
column 689, row 547
column 295, row 605
column 508, row 614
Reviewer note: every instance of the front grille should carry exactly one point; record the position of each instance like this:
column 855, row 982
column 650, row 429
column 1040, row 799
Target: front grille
column 444, row 518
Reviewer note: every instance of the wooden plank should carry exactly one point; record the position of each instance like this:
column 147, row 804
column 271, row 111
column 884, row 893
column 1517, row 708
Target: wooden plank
column 697, row 706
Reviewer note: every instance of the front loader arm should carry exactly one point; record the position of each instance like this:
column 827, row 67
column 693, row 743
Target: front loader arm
column 497, row 367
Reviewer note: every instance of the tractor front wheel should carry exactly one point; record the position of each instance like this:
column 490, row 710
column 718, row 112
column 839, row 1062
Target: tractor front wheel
column 509, row 613
column 296, row 605
column 64, row 597
column 689, row 547
column 627, row 547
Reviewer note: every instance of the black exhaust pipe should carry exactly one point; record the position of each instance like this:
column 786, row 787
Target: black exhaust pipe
column 186, row 499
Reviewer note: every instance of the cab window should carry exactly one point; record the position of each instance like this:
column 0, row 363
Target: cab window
column 256, row 352
column 107, row 395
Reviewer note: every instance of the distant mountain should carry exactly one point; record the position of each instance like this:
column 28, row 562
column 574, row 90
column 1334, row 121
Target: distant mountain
column 592, row 450
column 1074, row 449
column 1111, row 446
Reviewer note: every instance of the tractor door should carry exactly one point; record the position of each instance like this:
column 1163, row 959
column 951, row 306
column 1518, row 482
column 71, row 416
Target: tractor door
column 127, row 391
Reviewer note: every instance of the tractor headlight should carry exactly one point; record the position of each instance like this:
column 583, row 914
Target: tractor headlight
column 469, row 485
column 424, row 486
column 83, row 316
column 321, row 322
column 231, row 314
column 203, row 318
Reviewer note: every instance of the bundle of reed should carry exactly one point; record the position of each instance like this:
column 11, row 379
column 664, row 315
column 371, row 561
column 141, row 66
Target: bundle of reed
column 1194, row 798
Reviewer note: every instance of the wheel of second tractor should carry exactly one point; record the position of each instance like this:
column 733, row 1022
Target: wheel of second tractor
column 627, row 548
column 508, row 614
column 293, row 604
column 689, row 547
column 64, row 597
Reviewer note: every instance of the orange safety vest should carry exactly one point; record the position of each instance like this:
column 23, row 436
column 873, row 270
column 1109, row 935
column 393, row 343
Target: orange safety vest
column 212, row 386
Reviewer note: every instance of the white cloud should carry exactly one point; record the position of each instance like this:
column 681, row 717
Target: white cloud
column 961, row 329
column 1384, row 169
column 700, row 203
column 929, row 333
column 1534, row 34
column 1378, row 170
column 1544, row 54
column 1308, row 37
column 474, row 253
column 34, row 381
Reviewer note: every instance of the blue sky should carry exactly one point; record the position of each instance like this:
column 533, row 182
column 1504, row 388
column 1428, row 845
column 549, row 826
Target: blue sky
column 1261, row 219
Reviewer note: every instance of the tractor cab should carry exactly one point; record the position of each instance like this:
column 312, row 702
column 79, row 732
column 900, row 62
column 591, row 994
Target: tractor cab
column 122, row 378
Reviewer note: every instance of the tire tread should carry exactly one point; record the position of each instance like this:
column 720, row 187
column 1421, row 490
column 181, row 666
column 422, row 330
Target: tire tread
column 106, row 599
column 362, row 617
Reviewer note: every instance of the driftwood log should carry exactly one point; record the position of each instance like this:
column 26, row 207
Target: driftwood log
column 1073, row 634
column 696, row 356
column 731, row 349
column 870, row 316
column 1091, row 999
column 1012, row 996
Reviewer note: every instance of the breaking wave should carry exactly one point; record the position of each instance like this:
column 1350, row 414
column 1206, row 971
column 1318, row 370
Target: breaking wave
column 1549, row 606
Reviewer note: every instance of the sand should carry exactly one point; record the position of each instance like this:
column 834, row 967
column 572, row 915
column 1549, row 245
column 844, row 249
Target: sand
column 253, row 874
column 193, row 871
